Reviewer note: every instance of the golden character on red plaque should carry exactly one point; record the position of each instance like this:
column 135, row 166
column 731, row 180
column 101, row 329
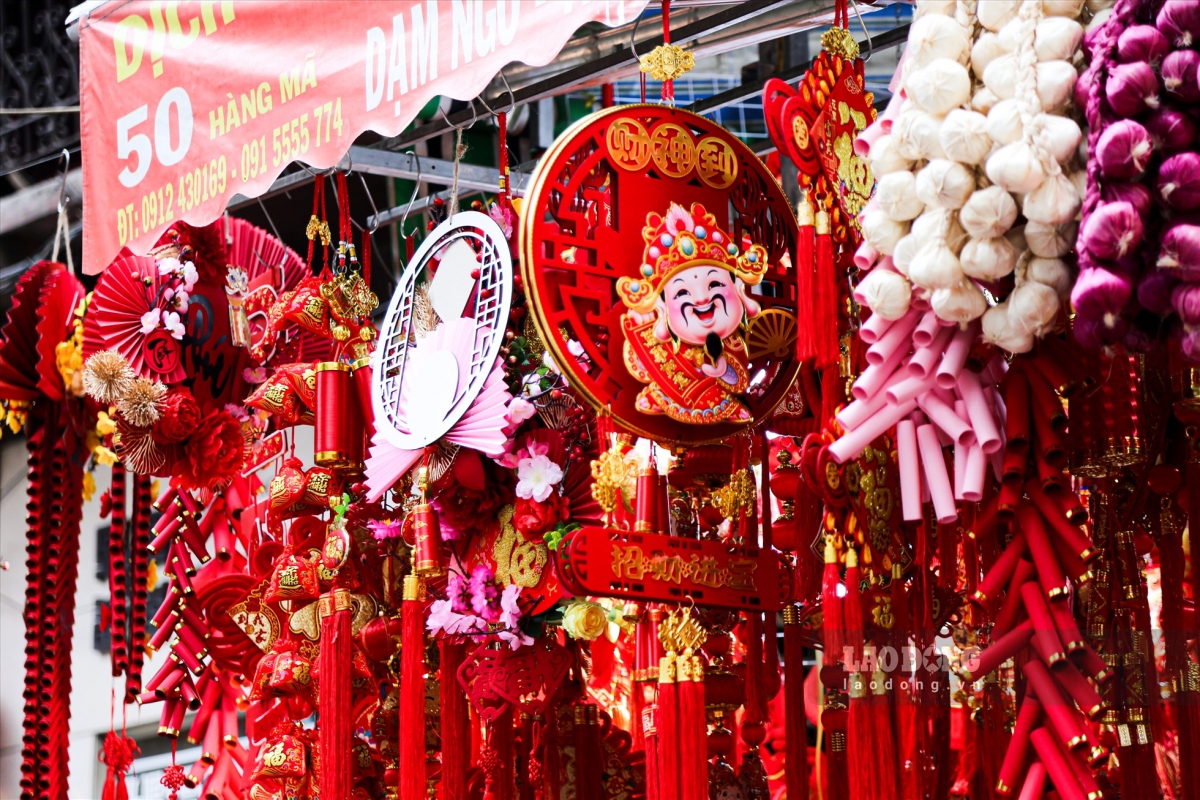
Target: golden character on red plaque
column 688, row 310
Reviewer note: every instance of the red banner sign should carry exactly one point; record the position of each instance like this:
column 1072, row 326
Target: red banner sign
column 671, row 569
column 185, row 104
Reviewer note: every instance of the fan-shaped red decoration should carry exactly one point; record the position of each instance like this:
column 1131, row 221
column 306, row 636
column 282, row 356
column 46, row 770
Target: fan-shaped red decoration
column 18, row 337
column 126, row 291
column 57, row 301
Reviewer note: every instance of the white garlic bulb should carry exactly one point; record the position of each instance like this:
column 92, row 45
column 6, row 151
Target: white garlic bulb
column 989, row 212
column 935, row 266
column 1004, row 123
column 1051, row 241
column 1033, row 308
column 1060, row 135
column 964, row 136
column 940, row 86
column 1057, row 38
column 1015, row 167
column 997, row 330
column 881, row 231
column 1062, row 8
column 1016, row 237
column 1001, row 76
column 1052, row 272
column 885, row 157
column 896, row 193
column 943, row 183
column 1055, row 84
column 983, row 100
column 961, row 303
column 1010, row 35
column 906, row 249
column 935, row 7
column 995, row 14
column 939, row 223
column 916, row 134
column 935, row 36
column 986, row 49
column 886, row 293
column 1054, row 202
column 1079, row 181
column 988, row 260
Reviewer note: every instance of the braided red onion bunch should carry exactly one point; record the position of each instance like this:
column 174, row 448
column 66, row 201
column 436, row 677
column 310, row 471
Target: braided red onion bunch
column 1139, row 242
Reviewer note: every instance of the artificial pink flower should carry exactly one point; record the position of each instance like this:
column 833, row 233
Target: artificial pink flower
column 150, row 321
column 383, row 529
column 510, row 612
column 536, row 477
column 173, row 324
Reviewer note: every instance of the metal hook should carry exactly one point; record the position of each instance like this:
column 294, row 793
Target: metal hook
column 633, row 37
column 374, row 209
column 416, row 188
column 512, row 98
column 474, row 117
column 863, row 25
column 65, row 160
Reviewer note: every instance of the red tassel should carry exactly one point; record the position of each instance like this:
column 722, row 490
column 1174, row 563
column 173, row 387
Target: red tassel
column 852, row 614
column 860, row 739
column 886, row 755
column 456, row 737
column 693, row 729
column 795, row 720
column 412, row 690
column 806, row 282
column 826, row 314
column 809, row 511
column 117, row 756
column 668, row 729
column 831, row 607
column 336, row 726
column 589, row 768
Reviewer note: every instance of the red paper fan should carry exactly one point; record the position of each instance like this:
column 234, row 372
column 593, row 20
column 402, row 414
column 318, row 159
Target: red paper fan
column 18, row 337
column 259, row 253
column 126, row 291
column 58, row 299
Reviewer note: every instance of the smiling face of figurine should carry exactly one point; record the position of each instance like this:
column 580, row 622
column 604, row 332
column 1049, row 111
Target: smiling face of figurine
column 702, row 300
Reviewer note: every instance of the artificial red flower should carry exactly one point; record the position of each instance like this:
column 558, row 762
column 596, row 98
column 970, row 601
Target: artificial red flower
column 214, row 452
column 533, row 519
column 179, row 416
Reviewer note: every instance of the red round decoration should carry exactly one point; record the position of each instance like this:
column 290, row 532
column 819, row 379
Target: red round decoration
column 632, row 200
column 161, row 353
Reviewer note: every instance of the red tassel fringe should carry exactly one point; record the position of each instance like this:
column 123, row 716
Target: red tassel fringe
column 412, row 690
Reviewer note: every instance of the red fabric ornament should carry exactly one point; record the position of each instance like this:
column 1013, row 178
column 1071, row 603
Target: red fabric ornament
column 533, row 519
column 214, row 453
column 179, row 417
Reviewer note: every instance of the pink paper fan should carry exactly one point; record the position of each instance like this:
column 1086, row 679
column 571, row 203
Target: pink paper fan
column 480, row 427
column 127, row 290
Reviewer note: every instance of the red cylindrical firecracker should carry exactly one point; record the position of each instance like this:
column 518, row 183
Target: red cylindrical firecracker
column 335, row 426
column 427, row 542
column 361, row 370
column 645, row 502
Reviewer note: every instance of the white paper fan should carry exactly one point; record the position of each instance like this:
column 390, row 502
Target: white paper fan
column 450, row 385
